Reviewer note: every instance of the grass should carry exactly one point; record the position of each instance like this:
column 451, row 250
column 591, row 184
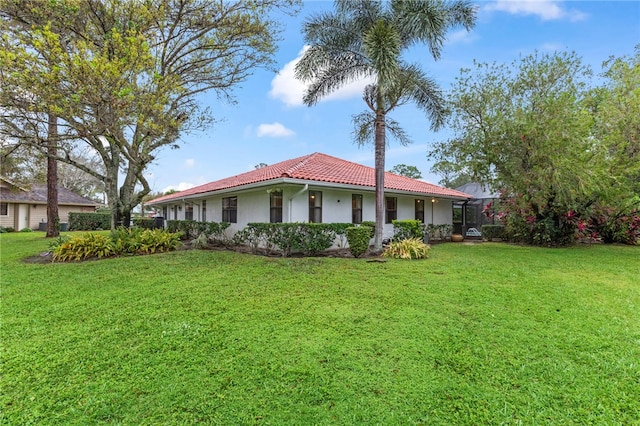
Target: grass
column 476, row 334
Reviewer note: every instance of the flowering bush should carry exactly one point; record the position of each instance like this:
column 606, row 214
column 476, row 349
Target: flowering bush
column 529, row 222
column 612, row 226
column 554, row 225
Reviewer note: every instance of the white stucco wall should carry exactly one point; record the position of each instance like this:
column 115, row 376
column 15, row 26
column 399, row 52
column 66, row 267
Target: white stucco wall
column 253, row 206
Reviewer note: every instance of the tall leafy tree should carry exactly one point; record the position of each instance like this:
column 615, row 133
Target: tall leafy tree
column 525, row 128
column 404, row 170
column 124, row 76
column 616, row 109
column 367, row 38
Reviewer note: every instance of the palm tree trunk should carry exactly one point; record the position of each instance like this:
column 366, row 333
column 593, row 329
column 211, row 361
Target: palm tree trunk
column 380, row 145
column 53, row 220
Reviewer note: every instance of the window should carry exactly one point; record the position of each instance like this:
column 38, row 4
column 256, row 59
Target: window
column 230, row 209
column 315, row 207
column 356, row 208
column 165, row 212
column 175, row 212
column 391, row 212
column 4, row 209
column 204, row 210
column 419, row 210
column 275, row 207
column 188, row 211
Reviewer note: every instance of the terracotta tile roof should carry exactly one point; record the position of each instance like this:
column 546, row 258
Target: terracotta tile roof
column 318, row 167
column 37, row 194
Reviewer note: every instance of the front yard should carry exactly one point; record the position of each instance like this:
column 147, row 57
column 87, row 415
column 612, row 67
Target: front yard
column 476, row 334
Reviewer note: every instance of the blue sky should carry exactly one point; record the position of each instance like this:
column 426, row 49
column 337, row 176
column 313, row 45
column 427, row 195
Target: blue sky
column 269, row 123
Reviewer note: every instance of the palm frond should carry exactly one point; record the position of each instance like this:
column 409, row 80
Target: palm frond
column 397, row 132
column 382, row 47
column 364, row 128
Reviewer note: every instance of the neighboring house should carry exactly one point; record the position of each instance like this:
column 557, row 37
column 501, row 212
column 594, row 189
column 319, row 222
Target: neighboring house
column 22, row 207
column 469, row 214
column 314, row 188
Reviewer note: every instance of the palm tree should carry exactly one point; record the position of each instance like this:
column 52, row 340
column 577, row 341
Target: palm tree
column 366, row 39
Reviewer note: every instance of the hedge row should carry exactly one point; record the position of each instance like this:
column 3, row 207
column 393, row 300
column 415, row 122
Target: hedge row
column 89, row 221
column 190, row 229
column 287, row 238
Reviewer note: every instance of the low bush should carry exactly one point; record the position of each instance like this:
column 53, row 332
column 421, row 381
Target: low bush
column 122, row 241
column 412, row 248
column 26, row 230
column 612, row 226
column 358, row 238
column 306, row 238
column 191, row 229
column 59, row 240
column 89, row 221
column 407, row 229
column 489, row 232
column 83, row 247
column 439, row 232
column 371, row 224
column 144, row 222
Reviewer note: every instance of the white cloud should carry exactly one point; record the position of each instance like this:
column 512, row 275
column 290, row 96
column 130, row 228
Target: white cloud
column 552, row 47
column 290, row 90
column 179, row 187
column 547, row 10
column 189, row 163
column 274, row 130
column 461, row 36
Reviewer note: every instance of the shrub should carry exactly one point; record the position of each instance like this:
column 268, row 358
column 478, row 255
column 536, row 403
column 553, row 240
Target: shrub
column 56, row 242
column 412, row 248
column 613, row 226
column 371, row 225
column 439, row 232
column 121, row 241
column 89, row 221
column 307, row 238
column 406, row 229
column 190, row 229
column 201, row 242
column 340, row 230
column 144, row 222
column 26, row 230
column 252, row 235
column 84, row 247
column 358, row 238
column 489, row 232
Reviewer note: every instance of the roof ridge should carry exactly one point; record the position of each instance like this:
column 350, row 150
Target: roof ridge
column 303, row 161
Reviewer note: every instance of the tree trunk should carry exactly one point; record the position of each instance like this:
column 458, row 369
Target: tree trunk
column 111, row 187
column 380, row 145
column 53, row 219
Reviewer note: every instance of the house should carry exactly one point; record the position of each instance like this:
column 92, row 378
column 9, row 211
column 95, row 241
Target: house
column 468, row 214
column 22, row 207
column 315, row 188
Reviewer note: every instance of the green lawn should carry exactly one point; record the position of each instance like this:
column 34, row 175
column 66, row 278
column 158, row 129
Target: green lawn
column 477, row 334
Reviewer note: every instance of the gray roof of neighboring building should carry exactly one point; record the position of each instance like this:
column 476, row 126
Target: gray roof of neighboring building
column 477, row 190
column 37, row 194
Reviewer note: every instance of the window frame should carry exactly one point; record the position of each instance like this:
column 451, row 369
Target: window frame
column 188, row 211
column 316, row 207
column 419, row 214
column 230, row 209
column 356, row 211
column 390, row 214
column 275, row 211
